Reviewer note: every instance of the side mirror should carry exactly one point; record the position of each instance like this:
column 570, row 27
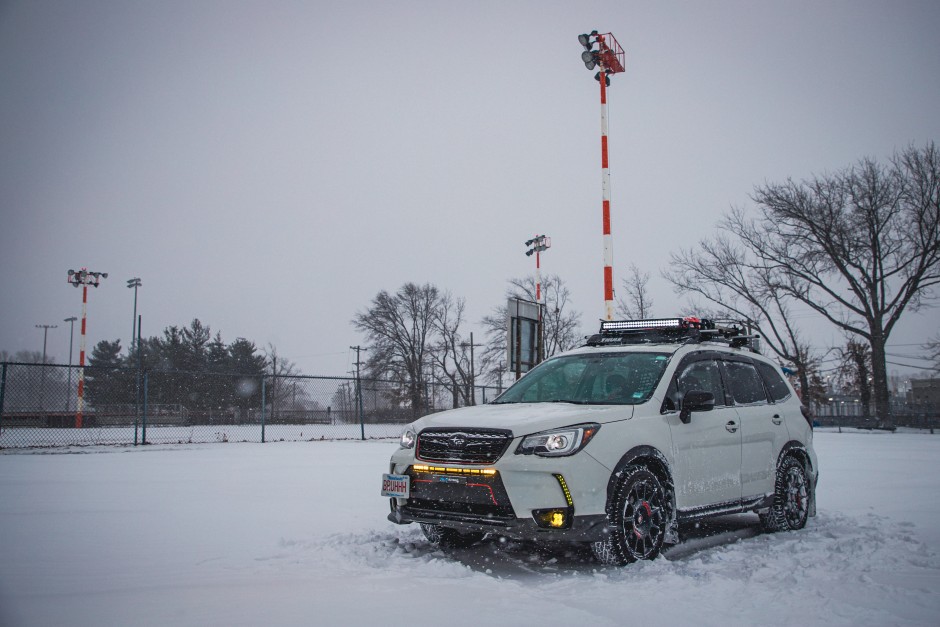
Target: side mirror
column 695, row 400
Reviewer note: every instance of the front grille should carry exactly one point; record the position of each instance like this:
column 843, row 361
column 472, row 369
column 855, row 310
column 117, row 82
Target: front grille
column 464, row 446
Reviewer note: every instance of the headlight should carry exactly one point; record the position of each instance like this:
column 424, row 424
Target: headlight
column 558, row 442
column 408, row 438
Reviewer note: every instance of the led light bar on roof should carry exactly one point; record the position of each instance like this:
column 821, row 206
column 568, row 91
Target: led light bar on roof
column 626, row 325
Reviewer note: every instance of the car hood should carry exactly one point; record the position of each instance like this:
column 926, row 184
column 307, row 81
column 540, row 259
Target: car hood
column 525, row 418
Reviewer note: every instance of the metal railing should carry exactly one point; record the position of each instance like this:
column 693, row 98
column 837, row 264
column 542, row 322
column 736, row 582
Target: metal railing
column 38, row 406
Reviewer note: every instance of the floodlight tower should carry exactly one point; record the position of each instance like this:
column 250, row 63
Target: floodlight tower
column 539, row 244
column 84, row 278
column 609, row 57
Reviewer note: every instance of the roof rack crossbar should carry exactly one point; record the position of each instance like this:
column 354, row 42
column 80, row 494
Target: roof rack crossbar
column 671, row 330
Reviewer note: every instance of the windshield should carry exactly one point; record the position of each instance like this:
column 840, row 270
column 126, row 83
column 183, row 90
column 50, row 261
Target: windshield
column 591, row 379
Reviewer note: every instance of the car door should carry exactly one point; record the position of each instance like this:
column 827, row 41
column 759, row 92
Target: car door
column 763, row 430
column 707, row 450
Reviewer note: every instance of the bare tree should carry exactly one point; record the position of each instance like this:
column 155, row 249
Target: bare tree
column 400, row 331
column 859, row 247
column 855, row 371
column 285, row 394
column 562, row 326
column 450, row 352
column 743, row 286
column 933, row 350
column 637, row 305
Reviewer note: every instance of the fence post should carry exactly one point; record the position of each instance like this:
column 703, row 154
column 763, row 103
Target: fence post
column 262, row 409
column 362, row 423
column 143, row 438
column 3, row 389
column 137, row 380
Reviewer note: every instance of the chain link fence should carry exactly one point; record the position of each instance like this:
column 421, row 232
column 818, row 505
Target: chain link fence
column 855, row 415
column 40, row 406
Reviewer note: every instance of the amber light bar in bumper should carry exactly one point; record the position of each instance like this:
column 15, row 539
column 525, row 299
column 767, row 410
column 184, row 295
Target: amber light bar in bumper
column 454, row 471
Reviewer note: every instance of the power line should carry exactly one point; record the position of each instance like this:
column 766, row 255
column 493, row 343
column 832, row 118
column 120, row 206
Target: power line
column 920, row 367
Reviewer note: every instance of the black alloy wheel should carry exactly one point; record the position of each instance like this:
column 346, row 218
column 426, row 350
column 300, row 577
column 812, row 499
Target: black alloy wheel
column 637, row 517
column 791, row 498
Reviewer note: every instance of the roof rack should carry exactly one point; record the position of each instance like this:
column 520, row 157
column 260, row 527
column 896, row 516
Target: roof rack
column 686, row 330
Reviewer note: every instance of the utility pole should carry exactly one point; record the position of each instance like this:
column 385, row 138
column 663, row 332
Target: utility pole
column 500, row 369
column 42, row 381
column 362, row 426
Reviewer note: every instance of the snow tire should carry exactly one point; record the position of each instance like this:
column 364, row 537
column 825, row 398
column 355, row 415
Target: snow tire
column 791, row 498
column 637, row 518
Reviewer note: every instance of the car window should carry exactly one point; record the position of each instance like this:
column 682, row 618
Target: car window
column 590, row 378
column 778, row 388
column 744, row 383
column 704, row 376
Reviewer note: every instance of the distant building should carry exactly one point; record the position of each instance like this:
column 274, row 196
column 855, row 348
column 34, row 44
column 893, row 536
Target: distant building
column 925, row 391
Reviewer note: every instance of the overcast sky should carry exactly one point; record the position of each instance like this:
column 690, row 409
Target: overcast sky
column 269, row 166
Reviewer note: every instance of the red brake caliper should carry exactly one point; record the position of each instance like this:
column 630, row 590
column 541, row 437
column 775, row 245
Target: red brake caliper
column 649, row 514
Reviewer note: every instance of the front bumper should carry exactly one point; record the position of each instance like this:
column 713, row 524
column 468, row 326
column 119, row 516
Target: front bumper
column 515, row 497
column 583, row 528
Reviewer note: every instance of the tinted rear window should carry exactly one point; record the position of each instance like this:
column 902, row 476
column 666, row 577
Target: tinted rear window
column 773, row 379
column 744, row 383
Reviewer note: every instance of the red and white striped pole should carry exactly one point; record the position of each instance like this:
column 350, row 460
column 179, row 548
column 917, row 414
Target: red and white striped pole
column 538, row 277
column 610, row 58
column 605, row 189
column 81, row 362
column 539, row 243
column 84, row 278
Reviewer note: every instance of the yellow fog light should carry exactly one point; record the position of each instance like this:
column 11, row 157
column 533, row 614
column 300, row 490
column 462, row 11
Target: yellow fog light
column 553, row 518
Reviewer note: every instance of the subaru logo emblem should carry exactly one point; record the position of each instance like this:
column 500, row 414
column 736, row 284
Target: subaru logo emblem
column 457, row 441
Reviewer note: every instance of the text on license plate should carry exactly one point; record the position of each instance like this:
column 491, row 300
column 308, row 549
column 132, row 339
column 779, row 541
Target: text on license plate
column 395, row 485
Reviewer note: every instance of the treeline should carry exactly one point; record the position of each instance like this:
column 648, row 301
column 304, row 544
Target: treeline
column 187, row 366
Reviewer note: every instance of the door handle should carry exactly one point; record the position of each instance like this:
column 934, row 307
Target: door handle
column 732, row 426
column 776, row 419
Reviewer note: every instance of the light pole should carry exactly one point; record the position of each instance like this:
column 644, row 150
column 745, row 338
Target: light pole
column 71, row 320
column 539, row 244
column 609, row 57
column 84, row 278
column 473, row 370
column 135, row 283
column 42, row 380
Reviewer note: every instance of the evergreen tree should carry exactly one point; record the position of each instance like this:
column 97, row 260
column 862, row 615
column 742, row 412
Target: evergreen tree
column 107, row 382
column 245, row 361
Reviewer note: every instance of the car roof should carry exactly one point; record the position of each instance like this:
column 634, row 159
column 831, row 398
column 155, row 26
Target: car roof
column 669, row 348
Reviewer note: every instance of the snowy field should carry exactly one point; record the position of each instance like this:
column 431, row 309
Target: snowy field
column 294, row 533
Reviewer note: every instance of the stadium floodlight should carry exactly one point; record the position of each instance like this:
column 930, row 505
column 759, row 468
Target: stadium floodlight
column 609, row 57
column 84, row 278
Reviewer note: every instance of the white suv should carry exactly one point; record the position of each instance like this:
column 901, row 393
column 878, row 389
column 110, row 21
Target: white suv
column 650, row 424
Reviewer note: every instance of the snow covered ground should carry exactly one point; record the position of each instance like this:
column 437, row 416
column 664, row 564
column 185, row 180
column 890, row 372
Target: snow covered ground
column 294, row 533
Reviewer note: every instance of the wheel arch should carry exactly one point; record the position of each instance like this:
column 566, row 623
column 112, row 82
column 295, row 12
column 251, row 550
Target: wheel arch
column 796, row 449
column 650, row 457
